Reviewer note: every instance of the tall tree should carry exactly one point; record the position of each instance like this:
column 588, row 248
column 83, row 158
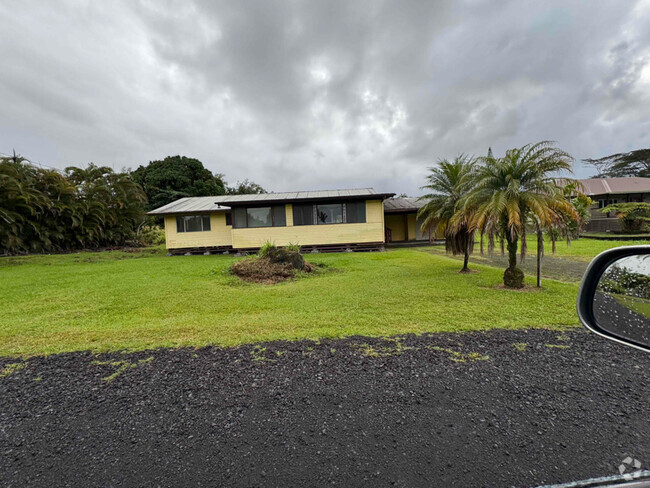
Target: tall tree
column 245, row 187
column 512, row 189
column 44, row 210
column 176, row 177
column 633, row 163
column 446, row 184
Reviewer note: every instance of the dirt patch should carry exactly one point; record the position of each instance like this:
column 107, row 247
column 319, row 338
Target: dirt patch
column 266, row 272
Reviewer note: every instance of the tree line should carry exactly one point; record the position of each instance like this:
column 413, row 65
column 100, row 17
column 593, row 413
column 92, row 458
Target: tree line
column 47, row 210
column 502, row 199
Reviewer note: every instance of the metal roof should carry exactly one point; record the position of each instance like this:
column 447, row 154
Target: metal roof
column 192, row 204
column 602, row 186
column 403, row 204
column 223, row 202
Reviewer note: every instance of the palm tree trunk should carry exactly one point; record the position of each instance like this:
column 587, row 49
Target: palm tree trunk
column 524, row 245
column 481, row 243
column 465, row 269
column 552, row 241
column 503, row 246
column 513, row 277
column 512, row 251
column 540, row 251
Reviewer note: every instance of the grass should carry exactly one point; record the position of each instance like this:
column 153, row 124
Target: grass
column 613, row 235
column 580, row 249
column 638, row 305
column 129, row 301
column 567, row 264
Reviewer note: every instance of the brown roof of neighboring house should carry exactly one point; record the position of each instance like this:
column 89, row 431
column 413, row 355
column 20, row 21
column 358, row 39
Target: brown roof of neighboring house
column 403, row 204
column 601, row 186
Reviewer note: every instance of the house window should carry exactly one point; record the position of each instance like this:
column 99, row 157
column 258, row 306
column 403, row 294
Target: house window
column 355, row 213
column 253, row 217
column 193, row 223
column 331, row 213
column 228, row 219
column 303, row 215
column 259, row 217
column 601, row 204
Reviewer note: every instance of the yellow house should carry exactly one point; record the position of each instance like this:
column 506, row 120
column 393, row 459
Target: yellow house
column 330, row 220
column 402, row 223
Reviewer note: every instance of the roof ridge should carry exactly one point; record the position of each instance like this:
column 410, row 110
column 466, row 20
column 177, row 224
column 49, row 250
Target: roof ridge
column 607, row 187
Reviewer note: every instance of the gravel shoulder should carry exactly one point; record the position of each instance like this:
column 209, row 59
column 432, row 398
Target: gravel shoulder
column 501, row 408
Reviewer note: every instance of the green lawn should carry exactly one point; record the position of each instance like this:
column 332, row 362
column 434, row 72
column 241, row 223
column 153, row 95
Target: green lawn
column 580, row 249
column 115, row 300
column 638, row 305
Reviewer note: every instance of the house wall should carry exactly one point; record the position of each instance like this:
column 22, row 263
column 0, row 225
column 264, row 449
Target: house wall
column 411, row 227
column 219, row 234
column 419, row 235
column 604, row 225
column 601, row 222
column 400, row 224
column 395, row 222
column 371, row 231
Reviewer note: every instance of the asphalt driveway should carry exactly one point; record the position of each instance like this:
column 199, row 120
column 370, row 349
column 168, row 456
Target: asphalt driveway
column 503, row 408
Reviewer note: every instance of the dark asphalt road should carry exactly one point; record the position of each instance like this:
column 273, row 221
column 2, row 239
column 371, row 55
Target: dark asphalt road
column 504, row 408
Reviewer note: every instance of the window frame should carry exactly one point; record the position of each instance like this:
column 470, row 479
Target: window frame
column 272, row 212
column 343, row 216
column 344, row 211
column 181, row 218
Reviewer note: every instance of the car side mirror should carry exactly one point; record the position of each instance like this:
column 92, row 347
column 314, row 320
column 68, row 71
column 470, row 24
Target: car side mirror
column 614, row 297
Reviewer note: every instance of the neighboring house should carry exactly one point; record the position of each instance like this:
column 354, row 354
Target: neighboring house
column 335, row 220
column 401, row 220
column 606, row 191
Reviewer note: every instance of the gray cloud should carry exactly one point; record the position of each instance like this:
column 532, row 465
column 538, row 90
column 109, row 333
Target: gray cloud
column 304, row 95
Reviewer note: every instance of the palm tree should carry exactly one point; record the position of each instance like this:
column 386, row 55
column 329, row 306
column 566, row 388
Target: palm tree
column 511, row 190
column 446, row 184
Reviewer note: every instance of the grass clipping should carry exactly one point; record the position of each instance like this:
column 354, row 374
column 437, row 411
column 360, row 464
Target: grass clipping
column 271, row 265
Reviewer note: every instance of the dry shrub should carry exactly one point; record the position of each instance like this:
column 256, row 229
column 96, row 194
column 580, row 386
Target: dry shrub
column 262, row 270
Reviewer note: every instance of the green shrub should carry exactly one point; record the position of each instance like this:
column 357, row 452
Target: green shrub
column 634, row 216
column 267, row 248
column 150, row 235
column 292, row 247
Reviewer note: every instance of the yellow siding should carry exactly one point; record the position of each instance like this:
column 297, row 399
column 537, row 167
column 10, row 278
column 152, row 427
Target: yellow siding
column 371, row 231
column 396, row 224
column 220, row 234
column 289, row 213
column 411, row 226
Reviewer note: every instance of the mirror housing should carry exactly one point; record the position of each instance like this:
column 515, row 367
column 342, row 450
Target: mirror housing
column 617, row 329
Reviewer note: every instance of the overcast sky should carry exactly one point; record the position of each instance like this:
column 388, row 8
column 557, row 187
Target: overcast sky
column 321, row 94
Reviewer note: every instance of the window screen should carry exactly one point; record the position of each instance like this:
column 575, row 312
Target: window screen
column 239, row 217
column 279, row 216
column 330, row 213
column 228, row 219
column 193, row 223
column 303, row 215
column 355, row 212
column 259, row 217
